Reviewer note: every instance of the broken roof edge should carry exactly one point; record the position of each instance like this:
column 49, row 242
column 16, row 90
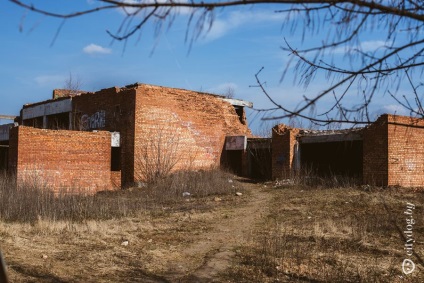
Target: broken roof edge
column 304, row 132
column 63, row 92
column 232, row 101
column 385, row 118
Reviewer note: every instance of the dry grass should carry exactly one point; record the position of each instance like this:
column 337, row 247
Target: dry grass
column 293, row 233
column 32, row 202
column 71, row 238
column 333, row 235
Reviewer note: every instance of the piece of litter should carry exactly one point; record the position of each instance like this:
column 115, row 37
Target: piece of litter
column 186, row 194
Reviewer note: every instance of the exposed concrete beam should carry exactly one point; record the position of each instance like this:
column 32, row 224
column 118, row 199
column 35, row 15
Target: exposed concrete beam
column 7, row 117
column 238, row 102
column 47, row 108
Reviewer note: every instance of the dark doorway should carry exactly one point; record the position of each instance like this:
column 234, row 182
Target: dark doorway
column 259, row 158
column 4, row 151
column 332, row 158
column 115, row 162
column 234, row 161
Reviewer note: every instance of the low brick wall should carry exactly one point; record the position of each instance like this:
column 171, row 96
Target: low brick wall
column 62, row 159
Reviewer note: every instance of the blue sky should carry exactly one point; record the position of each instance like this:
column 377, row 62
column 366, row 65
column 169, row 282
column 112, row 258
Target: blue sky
column 241, row 41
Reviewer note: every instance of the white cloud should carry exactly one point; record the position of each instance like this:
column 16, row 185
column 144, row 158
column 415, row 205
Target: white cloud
column 129, row 10
column 96, row 49
column 236, row 19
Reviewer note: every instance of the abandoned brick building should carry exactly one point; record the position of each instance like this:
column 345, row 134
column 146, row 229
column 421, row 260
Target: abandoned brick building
column 388, row 152
column 105, row 139
column 99, row 140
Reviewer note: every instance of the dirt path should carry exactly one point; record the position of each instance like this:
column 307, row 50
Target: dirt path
column 187, row 246
column 216, row 248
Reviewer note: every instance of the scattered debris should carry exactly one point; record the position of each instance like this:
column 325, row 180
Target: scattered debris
column 239, row 194
column 230, row 180
column 186, row 194
column 217, row 199
column 366, row 188
column 150, row 240
column 141, row 185
column 124, row 243
column 285, row 182
column 44, row 256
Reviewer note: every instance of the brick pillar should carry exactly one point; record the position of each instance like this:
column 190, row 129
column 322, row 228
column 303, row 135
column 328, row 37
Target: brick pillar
column 375, row 153
column 283, row 151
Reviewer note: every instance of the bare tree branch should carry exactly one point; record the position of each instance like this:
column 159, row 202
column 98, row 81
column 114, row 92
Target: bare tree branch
column 375, row 71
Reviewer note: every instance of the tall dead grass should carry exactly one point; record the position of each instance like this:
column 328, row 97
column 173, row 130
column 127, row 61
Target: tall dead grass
column 31, row 202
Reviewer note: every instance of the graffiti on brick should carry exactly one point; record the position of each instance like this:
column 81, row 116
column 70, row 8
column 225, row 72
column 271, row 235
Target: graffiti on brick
column 95, row 121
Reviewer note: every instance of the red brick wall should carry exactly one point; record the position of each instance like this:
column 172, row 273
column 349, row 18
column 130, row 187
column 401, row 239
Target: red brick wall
column 61, row 159
column 196, row 123
column 406, row 151
column 119, row 110
column 283, row 143
column 192, row 123
column 394, row 152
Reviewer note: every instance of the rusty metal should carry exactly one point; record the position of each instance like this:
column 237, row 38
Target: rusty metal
column 3, row 272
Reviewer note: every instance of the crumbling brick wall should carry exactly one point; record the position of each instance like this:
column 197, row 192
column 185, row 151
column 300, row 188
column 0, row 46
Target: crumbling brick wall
column 196, row 123
column 283, row 151
column 61, row 159
column 192, row 123
column 59, row 93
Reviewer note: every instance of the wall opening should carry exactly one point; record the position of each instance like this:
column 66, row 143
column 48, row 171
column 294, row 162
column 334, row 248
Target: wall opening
column 58, row 121
column 240, row 113
column 341, row 158
column 115, row 161
column 234, row 161
column 4, row 155
column 259, row 158
column 34, row 122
